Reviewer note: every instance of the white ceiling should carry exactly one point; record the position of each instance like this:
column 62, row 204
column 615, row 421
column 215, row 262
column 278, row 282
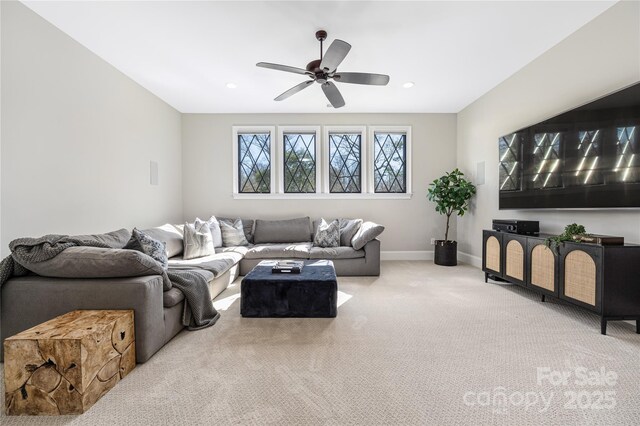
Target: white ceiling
column 186, row 52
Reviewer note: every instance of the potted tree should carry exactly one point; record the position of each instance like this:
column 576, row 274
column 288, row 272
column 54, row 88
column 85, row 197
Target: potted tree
column 451, row 193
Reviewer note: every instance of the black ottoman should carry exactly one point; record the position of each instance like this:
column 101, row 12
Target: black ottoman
column 313, row 293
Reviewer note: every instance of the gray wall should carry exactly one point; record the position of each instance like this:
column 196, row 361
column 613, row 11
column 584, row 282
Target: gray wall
column 601, row 57
column 410, row 224
column 77, row 138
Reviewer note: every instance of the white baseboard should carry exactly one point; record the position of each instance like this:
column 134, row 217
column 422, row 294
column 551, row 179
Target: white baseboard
column 470, row 259
column 428, row 255
column 406, row 255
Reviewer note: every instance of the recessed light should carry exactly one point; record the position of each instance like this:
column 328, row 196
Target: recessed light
column 408, row 84
column 231, row 85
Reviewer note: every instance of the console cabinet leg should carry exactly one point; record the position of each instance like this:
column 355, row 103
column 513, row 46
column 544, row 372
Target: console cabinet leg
column 603, row 325
column 542, row 298
column 638, row 326
column 486, row 277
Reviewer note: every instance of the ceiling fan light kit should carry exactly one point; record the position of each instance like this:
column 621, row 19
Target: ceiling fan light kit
column 323, row 70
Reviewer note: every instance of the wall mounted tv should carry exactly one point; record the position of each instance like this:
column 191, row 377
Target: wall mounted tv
column 588, row 157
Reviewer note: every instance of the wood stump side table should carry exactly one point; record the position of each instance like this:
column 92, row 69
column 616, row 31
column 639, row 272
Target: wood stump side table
column 63, row 366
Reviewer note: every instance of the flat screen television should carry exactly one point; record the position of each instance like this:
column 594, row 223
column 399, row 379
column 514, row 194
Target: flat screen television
column 588, row 157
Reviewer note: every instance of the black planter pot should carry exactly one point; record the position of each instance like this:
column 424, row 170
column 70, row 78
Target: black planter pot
column 446, row 253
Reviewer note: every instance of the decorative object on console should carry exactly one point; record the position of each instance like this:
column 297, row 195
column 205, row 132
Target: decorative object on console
column 451, row 193
column 605, row 240
column 570, row 231
column 323, row 69
column 327, row 234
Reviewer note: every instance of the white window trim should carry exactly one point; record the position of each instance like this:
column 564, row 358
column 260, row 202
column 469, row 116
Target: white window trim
column 235, row 130
column 363, row 158
column 408, row 160
column 280, row 157
column 322, row 163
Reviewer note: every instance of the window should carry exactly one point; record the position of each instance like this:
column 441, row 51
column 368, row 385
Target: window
column 389, row 162
column 253, row 160
column 337, row 162
column 345, row 162
column 299, row 159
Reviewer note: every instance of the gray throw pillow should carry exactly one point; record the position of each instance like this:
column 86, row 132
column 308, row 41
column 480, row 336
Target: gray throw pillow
column 327, row 234
column 247, row 226
column 368, row 232
column 282, row 231
column 348, row 228
column 153, row 248
column 198, row 241
column 233, row 234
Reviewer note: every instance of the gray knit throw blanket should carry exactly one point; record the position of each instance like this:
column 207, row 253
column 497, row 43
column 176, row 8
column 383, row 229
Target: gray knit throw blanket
column 198, row 310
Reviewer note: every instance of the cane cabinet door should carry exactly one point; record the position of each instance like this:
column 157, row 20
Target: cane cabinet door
column 491, row 252
column 542, row 267
column 514, row 258
column 581, row 274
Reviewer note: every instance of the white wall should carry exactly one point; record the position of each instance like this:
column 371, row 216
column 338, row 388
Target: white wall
column 410, row 224
column 601, row 57
column 77, row 138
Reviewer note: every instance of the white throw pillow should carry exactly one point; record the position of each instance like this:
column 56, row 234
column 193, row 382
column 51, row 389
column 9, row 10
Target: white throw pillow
column 197, row 240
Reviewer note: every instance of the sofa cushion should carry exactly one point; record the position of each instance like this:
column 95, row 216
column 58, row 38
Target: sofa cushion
column 217, row 264
column 247, row 226
column 348, row 228
column 331, row 253
column 327, row 234
column 368, row 231
column 114, row 239
column 171, row 235
column 241, row 250
column 95, row 262
column 172, row 297
column 197, row 240
column 233, row 234
column 282, row 231
column 279, row 251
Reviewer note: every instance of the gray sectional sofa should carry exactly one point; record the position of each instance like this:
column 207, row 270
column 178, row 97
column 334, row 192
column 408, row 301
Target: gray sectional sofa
column 29, row 300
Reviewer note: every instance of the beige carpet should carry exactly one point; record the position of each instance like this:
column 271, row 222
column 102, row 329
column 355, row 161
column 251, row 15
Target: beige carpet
column 421, row 344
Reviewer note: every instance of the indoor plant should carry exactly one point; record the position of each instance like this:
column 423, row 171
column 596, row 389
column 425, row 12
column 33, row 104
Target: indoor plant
column 451, row 193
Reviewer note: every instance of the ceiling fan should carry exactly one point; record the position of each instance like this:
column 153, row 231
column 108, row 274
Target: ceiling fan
column 323, row 69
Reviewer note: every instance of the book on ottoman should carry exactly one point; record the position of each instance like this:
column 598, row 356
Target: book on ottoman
column 287, row 267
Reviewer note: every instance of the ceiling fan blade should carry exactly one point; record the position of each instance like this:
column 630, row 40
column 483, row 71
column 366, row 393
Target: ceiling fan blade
column 286, row 68
column 333, row 94
column 334, row 55
column 295, row 89
column 362, row 78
